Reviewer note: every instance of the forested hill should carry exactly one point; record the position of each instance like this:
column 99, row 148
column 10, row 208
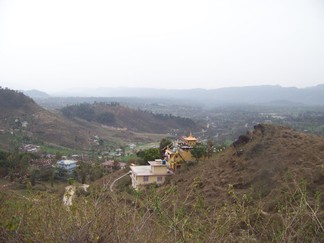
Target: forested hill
column 15, row 102
column 119, row 116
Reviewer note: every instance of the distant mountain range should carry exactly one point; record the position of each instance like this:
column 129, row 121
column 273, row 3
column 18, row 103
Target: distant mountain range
column 266, row 94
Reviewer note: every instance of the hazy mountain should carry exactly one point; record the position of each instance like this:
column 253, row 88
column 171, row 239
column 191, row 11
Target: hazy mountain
column 234, row 95
column 34, row 93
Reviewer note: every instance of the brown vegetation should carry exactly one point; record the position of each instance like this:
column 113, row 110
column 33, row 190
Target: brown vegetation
column 266, row 189
column 136, row 120
column 114, row 123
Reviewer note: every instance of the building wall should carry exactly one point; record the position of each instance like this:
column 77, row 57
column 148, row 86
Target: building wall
column 138, row 181
column 191, row 143
column 159, row 169
column 186, row 155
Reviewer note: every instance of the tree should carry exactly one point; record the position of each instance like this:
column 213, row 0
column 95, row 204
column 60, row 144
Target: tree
column 164, row 143
column 60, row 172
column 33, row 174
column 18, row 165
column 106, row 118
column 210, row 147
column 82, row 171
column 198, row 151
column 149, row 154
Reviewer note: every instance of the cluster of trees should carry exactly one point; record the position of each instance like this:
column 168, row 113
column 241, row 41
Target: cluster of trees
column 86, row 172
column 122, row 116
column 13, row 99
column 87, row 112
column 15, row 165
column 148, row 155
column 182, row 121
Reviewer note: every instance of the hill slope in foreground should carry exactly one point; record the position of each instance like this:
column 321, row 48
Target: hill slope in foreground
column 260, row 163
column 266, row 188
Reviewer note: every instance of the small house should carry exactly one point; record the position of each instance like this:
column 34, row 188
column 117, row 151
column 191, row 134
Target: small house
column 68, row 165
column 155, row 172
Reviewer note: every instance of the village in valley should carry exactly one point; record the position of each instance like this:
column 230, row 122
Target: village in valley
column 172, row 156
column 81, row 163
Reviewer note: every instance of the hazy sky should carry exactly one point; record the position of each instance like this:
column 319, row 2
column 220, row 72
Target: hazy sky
column 60, row 44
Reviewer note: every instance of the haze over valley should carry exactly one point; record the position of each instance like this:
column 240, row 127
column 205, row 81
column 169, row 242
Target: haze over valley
column 161, row 121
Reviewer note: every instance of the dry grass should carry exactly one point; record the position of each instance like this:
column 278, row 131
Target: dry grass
column 269, row 192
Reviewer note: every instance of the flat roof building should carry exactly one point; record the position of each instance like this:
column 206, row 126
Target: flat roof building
column 67, row 164
column 155, row 172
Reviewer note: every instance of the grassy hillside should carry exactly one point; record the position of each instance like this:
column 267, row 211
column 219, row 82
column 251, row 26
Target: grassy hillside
column 266, row 188
column 262, row 160
column 274, row 175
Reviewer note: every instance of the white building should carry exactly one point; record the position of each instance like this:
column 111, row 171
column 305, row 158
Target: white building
column 68, row 165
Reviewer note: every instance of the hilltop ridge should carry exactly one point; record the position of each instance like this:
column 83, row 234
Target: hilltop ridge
column 262, row 94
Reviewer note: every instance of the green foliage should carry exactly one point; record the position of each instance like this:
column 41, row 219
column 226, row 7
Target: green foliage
column 86, row 172
column 60, row 173
column 84, row 111
column 15, row 164
column 81, row 173
column 33, row 175
column 107, row 118
column 227, row 143
column 165, row 142
column 198, row 151
column 182, row 121
column 71, row 181
column 87, row 112
column 149, row 155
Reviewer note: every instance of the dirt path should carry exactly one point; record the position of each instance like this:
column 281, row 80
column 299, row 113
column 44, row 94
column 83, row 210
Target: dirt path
column 113, row 183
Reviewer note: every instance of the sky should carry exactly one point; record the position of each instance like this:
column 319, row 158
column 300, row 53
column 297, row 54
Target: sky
column 173, row 44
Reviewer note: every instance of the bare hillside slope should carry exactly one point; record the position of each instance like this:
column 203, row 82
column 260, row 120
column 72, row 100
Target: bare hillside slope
column 260, row 163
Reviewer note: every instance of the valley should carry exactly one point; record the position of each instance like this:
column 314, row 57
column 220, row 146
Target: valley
column 259, row 176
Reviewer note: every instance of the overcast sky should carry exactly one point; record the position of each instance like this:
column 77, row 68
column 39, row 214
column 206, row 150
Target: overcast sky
column 61, row 44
